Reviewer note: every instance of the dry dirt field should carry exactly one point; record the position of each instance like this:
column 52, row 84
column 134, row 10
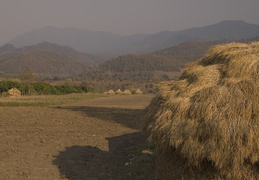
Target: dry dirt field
column 84, row 140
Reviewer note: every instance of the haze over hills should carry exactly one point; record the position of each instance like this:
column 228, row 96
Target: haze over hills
column 51, row 60
column 10, row 50
column 79, row 39
column 159, row 65
column 46, row 59
column 42, row 63
column 105, row 42
column 181, row 47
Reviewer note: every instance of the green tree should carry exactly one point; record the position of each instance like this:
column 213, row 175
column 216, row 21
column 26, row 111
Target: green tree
column 45, row 88
column 27, row 77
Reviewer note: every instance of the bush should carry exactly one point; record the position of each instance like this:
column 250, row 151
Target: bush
column 45, row 88
column 66, row 89
column 6, row 85
column 86, row 89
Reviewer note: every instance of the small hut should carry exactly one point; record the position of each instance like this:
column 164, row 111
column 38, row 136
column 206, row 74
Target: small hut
column 126, row 92
column 138, row 91
column 118, row 91
column 206, row 123
column 14, row 92
column 110, row 92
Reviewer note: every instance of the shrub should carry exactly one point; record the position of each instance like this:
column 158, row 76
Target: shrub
column 45, row 88
column 6, row 85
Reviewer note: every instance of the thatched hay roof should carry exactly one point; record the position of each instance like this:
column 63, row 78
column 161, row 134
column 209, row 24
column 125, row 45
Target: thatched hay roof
column 110, row 92
column 212, row 111
column 14, row 92
column 118, row 91
column 126, row 92
column 138, row 91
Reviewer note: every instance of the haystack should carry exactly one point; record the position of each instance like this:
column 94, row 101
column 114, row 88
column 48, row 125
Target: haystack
column 118, row 91
column 14, row 92
column 206, row 123
column 138, row 91
column 110, row 92
column 126, row 92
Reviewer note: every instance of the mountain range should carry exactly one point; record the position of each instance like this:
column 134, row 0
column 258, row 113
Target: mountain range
column 52, row 60
column 109, row 43
column 163, row 54
column 159, row 65
column 46, row 59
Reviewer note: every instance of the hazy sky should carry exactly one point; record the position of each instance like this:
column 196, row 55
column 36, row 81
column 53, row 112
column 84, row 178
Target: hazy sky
column 123, row 17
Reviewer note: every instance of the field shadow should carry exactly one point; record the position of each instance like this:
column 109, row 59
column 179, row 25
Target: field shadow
column 91, row 163
column 127, row 117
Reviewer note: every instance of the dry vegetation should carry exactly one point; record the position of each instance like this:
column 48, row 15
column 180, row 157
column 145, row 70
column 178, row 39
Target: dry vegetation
column 205, row 124
column 47, row 100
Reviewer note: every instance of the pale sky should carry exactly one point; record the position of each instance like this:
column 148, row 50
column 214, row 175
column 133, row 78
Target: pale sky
column 124, row 17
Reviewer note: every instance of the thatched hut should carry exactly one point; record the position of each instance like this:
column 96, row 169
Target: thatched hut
column 126, row 92
column 118, row 91
column 14, row 92
column 110, row 92
column 138, row 91
column 206, row 123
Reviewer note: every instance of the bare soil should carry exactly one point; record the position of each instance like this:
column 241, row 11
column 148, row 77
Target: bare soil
column 86, row 140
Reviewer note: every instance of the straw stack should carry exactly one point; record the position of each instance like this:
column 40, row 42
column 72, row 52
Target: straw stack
column 206, row 123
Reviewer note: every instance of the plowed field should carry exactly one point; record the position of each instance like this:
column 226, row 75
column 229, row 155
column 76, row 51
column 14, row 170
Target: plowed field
column 83, row 140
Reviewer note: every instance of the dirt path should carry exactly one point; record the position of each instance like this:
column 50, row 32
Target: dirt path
column 84, row 140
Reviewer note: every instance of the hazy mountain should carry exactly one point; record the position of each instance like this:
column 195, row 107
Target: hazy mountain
column 10, row 50
column 225, row 30
column 105, row 42
column 48, row 59
column 6, row 49
column 82, row 40
column 45, row 59
column 158, row 65
column 43, row 63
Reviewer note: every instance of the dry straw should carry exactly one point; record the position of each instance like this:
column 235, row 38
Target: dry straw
column 118, row 91
column 138, row 91
column 111, row 92
column 206, row 123
column 126, row 92
column 14, row 92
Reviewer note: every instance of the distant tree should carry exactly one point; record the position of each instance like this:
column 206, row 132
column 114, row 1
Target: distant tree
column 67, row 88
column 6, row 85
column 27, row 77
column 85, row 87
column 45, row 88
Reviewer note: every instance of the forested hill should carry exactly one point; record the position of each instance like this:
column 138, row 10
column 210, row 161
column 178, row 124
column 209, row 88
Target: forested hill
column 43, row 63
column 87, row 58
column 160, row 65
column 46, row 59
column 134, row 63
column 50, row 60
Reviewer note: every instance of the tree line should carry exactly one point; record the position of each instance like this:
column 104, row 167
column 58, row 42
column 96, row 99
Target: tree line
column 44, row 88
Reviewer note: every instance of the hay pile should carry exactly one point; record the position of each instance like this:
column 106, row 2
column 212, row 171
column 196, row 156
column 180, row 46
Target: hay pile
column 206, row 123
column 138, row 91
column 118, row 91
column 14, row 92
column 110, row 92
column 127, row 92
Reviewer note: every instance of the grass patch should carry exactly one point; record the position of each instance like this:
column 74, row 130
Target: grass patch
column 47, row 100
